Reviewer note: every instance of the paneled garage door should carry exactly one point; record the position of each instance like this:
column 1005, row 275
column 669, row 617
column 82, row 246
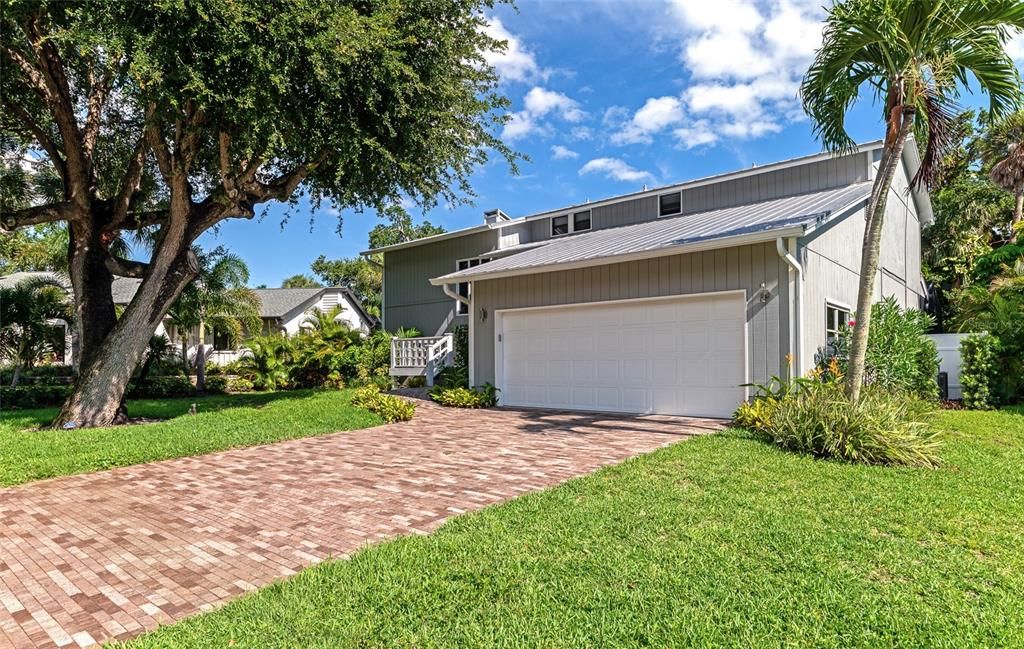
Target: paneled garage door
column 677, row 356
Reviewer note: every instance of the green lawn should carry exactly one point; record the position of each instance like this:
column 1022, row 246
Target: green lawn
column 719, row 541
column 27, row 453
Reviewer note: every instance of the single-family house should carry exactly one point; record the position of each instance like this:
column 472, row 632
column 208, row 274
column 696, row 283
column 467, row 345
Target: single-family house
column 666, row 300
column 282, row 310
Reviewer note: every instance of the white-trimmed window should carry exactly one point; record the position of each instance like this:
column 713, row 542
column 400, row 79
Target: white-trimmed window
column 670, row 204
column 836, row 319
column 581, row 221
column 463, row 288
column 570, row 223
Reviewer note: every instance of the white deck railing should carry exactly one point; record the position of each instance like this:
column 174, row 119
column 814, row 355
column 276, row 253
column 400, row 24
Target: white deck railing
column 426, row 355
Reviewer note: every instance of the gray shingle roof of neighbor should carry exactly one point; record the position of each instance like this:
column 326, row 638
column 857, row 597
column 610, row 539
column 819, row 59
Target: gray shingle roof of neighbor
column 12, row 280
column 664, row 234
column 277, row 302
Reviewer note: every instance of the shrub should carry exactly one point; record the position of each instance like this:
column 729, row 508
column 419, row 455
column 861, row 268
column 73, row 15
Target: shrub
column 483, row 397
column 239, row 384
column 33, row 396
column 979, row 370
column 460, row 344
column 41, row 375
column 453, row 376
column 162, row 387
column 756, row 414
column 882, row 427
column 389, row 407
column 899, row 355
column 217, row 384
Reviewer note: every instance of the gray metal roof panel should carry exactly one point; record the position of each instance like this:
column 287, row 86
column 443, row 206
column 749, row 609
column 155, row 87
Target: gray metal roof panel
column 670, row 232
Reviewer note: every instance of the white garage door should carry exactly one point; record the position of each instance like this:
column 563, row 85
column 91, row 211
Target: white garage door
column 679, row 356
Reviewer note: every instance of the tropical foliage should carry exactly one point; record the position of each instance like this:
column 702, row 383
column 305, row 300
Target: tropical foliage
column 915, row 56
column 899, row 356
column 389, row 407
column 27, row 310
column 486, row 396
column 979, row 370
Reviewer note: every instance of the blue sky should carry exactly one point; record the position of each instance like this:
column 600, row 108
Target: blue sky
column 607, row 97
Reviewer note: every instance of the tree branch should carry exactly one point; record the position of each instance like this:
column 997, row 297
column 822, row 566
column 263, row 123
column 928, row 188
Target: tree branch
column 51, row 213
column 155, row 140
column 97, row 98
column 130, row 182
column 57, row 95
column 143, row 219
column 41, row 136
column 125, row 267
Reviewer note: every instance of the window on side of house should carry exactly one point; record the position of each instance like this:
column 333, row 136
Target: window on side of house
column 581, row 221
column 222, row 341
column 463, row 287
column 560, row 225
column 836, row 318
column 669, row 204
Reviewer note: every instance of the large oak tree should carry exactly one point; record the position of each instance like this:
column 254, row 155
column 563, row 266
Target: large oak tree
column 175, row 115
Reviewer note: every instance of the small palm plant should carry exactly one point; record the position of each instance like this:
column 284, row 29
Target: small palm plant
column 218, row 299
column 915, row 56
column 268, row 359
column 25, row 312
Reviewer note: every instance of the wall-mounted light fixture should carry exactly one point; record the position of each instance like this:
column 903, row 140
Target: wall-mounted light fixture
column 765, row 293
column 483, row 315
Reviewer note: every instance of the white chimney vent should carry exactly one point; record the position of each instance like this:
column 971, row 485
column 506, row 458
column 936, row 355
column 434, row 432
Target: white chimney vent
column 494, row 216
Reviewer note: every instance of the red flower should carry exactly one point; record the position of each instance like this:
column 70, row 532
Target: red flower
column 851, row 323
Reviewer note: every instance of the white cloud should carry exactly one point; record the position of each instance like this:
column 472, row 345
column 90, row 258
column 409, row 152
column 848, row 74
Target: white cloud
column 516, row 63
column 559, row 152
column 744, row 60
column 697, row 134
column 540, row 101
column 581, row 133
column 615, row 169
column 1015, row 48
column 655, row 115
column 538, row 104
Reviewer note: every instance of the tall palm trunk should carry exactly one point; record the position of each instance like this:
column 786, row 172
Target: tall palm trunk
column 1018, row 216
column 201, row 358
column 901, row 120
column 19, row 359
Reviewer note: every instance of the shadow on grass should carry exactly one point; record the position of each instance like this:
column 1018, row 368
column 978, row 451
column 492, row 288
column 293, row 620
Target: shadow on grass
column 160, row 409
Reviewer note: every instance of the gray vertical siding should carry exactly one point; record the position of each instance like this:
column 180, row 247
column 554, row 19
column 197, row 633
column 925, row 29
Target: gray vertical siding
column 825, row 174
column 409, row 298
column 744, row 267
column 831, row 259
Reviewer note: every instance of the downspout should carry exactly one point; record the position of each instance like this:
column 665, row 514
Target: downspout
column 796, row 339
column 454, row 294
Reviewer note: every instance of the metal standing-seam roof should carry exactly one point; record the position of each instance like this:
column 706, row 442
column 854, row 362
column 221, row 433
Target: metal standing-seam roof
column 673, row 232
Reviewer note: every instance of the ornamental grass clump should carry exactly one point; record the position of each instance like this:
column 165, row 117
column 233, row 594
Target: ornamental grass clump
column 880, row 427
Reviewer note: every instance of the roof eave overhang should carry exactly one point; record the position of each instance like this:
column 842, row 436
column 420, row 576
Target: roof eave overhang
column 666, row 251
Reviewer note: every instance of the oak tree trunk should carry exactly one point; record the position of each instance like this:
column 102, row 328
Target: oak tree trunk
column 892, row 153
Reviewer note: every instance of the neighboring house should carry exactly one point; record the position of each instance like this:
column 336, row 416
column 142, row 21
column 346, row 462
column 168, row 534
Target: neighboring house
column 661, row 301
column 283, row 310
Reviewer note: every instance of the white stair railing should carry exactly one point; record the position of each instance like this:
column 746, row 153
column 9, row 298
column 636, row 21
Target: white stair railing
column 430, row 354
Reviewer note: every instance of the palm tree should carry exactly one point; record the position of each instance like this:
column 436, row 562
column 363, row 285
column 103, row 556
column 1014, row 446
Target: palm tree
column 916, row 56
column 25, row 309
column 217, row 299
column 1004, row 147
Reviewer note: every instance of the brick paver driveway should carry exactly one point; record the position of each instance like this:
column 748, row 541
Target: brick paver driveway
column 109, row 555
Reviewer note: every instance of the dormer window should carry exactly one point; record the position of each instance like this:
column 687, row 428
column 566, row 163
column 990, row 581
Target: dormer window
column 570, row 223
column 670, row 204
column 581, row 221
column 560, row 225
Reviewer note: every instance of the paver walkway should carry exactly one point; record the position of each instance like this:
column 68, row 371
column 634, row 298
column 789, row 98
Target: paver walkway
column 87, row 558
